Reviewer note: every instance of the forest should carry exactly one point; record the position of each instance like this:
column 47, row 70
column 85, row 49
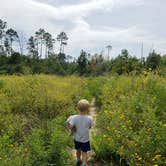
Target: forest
column 40, row 57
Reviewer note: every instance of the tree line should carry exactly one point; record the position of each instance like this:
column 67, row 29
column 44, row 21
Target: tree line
column 41, row 57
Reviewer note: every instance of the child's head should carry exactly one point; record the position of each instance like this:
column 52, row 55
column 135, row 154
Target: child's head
column 83, row 106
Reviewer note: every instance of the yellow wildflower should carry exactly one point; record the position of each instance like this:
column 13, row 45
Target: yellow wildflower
column 122, row 116
column 106, row 111
column 157, row 156
column 139, row 158
column 149, row 129
column 11, row 145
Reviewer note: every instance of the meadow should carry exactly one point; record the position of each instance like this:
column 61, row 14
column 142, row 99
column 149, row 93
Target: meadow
column 130, row 126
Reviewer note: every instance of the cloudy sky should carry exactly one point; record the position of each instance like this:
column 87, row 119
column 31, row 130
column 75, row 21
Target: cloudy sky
column 93, row 24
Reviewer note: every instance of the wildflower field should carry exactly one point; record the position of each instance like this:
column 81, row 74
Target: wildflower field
column 131, row 122
column 130, row 127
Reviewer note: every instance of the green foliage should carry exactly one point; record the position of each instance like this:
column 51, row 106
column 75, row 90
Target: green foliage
column 131, row 122
column 15, row 58
column 130, row 127
column 85, row 65
column 33, row 111
column 153, row 60
column 41, row 57
column 162, row 66
column 82, row 63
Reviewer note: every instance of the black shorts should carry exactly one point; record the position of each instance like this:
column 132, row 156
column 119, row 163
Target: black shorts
column 85, row 147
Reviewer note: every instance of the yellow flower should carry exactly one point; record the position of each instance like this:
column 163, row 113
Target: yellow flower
column 11, row 145
column 122, row 116
column 140, row 158
column 109, row 139
column 104, row 136
column 157, row 156
column 128, row 121
column 106, row 112
column 164, row 125
column 149, row 129
column 144, row 72
column 124, row 127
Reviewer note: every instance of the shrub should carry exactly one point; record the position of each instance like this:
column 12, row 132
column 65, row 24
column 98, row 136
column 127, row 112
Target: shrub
column 33, row 110
column 131, row 122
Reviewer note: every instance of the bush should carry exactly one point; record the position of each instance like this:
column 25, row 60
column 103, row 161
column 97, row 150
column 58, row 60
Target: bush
column 33, row 110
column 131, row 122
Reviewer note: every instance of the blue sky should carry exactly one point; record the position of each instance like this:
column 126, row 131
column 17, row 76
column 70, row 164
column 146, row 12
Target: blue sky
column 93, row 24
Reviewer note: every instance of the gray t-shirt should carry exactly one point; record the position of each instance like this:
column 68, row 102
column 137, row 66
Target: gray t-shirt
column 82, row 123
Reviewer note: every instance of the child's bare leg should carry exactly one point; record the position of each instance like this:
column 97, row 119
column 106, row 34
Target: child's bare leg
column 78, row 154
column 84, row 157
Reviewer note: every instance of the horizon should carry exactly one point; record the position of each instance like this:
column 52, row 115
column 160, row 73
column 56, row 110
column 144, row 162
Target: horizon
column 123, row 25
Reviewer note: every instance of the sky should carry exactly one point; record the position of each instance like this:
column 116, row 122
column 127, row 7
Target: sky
column 93, row 24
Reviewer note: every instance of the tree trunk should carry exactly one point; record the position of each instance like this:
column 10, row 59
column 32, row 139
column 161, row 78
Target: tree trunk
column 11, row 45
column 46, row 52
column 41, row 48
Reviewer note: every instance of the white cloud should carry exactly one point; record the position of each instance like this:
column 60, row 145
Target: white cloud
column 29, row 15
column 85, row 37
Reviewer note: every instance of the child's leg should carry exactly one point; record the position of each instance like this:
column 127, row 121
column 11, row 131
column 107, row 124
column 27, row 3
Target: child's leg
column 78, row 154
column 84, row 157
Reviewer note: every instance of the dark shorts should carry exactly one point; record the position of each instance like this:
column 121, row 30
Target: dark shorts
column 85, row 147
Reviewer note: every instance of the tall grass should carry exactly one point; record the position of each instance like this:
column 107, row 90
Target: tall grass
column 33, row 110
column 130, row 122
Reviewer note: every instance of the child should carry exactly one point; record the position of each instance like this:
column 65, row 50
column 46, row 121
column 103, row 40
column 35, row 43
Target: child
column 82, row 124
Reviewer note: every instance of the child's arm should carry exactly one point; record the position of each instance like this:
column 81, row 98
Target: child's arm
column 71, row 127
column 70, row 122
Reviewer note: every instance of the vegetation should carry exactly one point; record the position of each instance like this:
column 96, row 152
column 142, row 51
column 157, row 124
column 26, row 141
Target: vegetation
column 40, row 57
column 130, row 123
column 130, row 95
column 33, row 110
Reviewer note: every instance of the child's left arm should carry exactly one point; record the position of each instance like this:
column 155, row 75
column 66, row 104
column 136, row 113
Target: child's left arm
column 68, row 122
column 71, row 123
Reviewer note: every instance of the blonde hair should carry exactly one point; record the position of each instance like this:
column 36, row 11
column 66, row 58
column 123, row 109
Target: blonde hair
column 83, row 105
